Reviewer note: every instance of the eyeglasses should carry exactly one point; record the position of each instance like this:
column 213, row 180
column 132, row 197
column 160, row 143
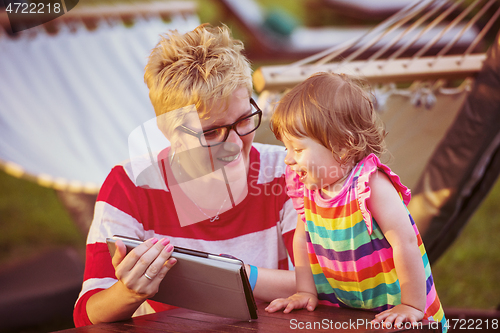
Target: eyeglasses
column 218, row 135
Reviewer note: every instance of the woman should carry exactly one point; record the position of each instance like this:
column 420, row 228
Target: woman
column 222, row 193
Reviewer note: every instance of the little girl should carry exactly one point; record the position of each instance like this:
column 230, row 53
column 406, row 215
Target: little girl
column 356, row 244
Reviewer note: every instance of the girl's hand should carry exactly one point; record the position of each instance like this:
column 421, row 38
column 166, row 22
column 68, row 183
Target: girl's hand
column 399, row 314
column 141, row 271
column 299, row 300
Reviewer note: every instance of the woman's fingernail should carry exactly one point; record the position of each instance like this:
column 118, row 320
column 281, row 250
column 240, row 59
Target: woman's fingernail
column 173, row 261
column 154, row 240
column 169, row 248
column 165, row 241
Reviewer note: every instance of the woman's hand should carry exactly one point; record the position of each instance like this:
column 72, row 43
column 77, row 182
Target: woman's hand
column 399, row 314
column 142, row 270
column 299, row 300
column 122, row 299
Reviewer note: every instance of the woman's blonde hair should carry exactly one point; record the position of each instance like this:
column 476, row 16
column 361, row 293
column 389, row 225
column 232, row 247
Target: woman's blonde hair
column 336, row 111
column 195, row 68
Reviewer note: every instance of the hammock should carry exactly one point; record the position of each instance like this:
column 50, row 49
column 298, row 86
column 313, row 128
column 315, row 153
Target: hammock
column 69, row 100
column 443, row 140
column 273, row 34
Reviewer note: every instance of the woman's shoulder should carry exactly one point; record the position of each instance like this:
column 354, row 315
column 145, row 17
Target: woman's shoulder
column 267, row 149
column 139, row 172
column 269, row 160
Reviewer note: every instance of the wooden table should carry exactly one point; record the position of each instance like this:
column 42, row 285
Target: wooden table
column 324, row 318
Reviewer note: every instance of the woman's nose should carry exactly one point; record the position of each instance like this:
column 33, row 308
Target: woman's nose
column 233, row 142
column 233, row 137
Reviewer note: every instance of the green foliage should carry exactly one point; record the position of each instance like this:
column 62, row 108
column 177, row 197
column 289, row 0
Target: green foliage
column 32, row 218
column 467, row 274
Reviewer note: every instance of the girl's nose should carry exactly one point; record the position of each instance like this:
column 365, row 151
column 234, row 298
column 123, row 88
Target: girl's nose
column 289, row 159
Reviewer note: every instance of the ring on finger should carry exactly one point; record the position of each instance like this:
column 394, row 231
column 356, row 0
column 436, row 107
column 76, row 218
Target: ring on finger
column 147, row 276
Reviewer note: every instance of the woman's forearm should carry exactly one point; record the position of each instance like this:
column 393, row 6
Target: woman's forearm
column 112, row 304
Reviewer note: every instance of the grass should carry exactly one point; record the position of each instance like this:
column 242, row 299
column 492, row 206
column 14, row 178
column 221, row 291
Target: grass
column 467, row 275
column 32, row 218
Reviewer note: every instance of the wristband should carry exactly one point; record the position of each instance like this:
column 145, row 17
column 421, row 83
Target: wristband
column 254, row 272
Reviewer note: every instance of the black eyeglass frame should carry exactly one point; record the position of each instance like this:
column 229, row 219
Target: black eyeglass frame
column 199, row 135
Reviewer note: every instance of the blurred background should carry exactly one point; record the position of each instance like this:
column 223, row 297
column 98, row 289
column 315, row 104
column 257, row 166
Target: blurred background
column 35, row 220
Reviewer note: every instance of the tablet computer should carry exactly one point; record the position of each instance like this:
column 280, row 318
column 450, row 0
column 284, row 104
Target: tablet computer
column 203, row 282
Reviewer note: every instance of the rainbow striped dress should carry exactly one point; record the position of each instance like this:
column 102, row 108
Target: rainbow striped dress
column 351, row 260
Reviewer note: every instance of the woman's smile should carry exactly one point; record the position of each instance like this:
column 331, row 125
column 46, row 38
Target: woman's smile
column 229, row 158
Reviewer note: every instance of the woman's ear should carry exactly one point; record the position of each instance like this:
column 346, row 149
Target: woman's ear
column 175, row 144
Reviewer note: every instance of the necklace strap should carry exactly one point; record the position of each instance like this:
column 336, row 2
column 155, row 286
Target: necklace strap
column 211, row 218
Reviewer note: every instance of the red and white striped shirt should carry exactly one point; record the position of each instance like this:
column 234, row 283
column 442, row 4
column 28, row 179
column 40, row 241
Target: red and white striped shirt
column 259, row 230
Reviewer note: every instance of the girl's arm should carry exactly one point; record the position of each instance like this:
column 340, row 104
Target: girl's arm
column 392, row 217
column 273, row 283
column 305, row 296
